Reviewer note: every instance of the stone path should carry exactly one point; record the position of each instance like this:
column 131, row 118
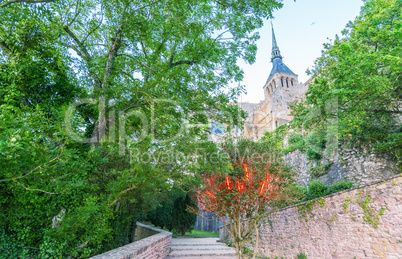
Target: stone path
column 199, row 248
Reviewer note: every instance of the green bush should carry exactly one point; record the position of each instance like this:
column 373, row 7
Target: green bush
column 156, row 216
column 340, row 186
column 167, row 216
column 317, row 189
column 315, row 143
column 173, row 214
column 10, row 247
column 183, row 220
column 318, row 170
column 297, row 141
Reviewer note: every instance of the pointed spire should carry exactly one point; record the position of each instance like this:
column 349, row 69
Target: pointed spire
column 276, row 53
column 276, row 58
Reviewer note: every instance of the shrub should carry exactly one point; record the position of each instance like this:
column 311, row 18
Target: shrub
column 173, row 214
column 297, row 141
column 167, row 215
column 316, row 189
column 340, row 186
column 155, row 216
column 183, row 220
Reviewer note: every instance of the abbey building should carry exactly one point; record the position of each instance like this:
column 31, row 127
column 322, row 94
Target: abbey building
column 281, row 89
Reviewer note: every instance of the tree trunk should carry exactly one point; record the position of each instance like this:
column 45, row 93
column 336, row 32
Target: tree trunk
column 256, row 241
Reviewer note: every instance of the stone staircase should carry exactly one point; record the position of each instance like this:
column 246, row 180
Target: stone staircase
column 197, row 248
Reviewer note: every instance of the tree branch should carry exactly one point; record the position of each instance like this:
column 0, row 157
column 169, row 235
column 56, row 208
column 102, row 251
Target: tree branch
column 171, row 58
column 74, row 48
column 30, row 172
column 181, row 62
column 143, row 49
column 111, row 58
column 82, row 52
column 38, row 190
column 93, row 30
column 385, row 111
column 76, row 14
column 142, row 7
column 25, row 1
column 5, row 49
column 122, row 193
column 116, row 44
column 79, row 43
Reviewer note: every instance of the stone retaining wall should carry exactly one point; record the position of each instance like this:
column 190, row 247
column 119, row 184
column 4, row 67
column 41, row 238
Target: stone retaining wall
column 364, row 222
column 143, row 231
column 349, row 164
column 152, row 243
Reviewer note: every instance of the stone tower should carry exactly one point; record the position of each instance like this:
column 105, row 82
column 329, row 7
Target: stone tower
column 281, row 75
column 281, row 89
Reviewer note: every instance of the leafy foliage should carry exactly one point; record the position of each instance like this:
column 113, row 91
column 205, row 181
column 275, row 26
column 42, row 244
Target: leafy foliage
column 174, row 213
column 183, row 220
column 89, row 90
column 253, row 180
column 357, row 83
column 317, row 189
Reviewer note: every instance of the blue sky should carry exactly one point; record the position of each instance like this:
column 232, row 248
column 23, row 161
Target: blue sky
column 301, row 29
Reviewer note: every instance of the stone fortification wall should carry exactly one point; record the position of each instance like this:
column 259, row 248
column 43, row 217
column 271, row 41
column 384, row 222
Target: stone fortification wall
column 364, row 222
column 152, row 243
column 348, row 164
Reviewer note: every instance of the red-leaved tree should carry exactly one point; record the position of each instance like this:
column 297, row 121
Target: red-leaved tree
column 254, row 183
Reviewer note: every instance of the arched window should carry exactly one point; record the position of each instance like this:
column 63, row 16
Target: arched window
column 282, row 82
column 287, row 84
column 291, row 82
column 217, row 128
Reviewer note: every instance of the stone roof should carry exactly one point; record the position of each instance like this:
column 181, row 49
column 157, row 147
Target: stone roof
column 279, row 66
column 276, row 58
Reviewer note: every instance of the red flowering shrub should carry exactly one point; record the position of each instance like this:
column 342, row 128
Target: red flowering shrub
column 250, row 188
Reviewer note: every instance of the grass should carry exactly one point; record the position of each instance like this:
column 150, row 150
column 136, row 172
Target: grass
column 195, row 233
column 200, row 233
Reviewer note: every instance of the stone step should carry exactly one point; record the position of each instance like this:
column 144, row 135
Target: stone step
column 200, row 247
column 208, row 257
column 211, row 253
column 195, row 241
column 198, row 244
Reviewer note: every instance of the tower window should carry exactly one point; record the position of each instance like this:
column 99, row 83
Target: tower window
column 291, row 82
column 287, row 84
column 281, row 82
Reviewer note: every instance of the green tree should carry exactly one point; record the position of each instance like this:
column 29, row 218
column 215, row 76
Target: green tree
column 357, row 83
column 254, row 182
column 183, row 220
column 148, row 67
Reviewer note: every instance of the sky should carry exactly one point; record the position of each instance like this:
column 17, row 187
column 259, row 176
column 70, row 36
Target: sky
column 301, row 29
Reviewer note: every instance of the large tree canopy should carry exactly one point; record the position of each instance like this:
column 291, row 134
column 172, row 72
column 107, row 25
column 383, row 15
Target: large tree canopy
column 357, row 82
column 95, row 97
